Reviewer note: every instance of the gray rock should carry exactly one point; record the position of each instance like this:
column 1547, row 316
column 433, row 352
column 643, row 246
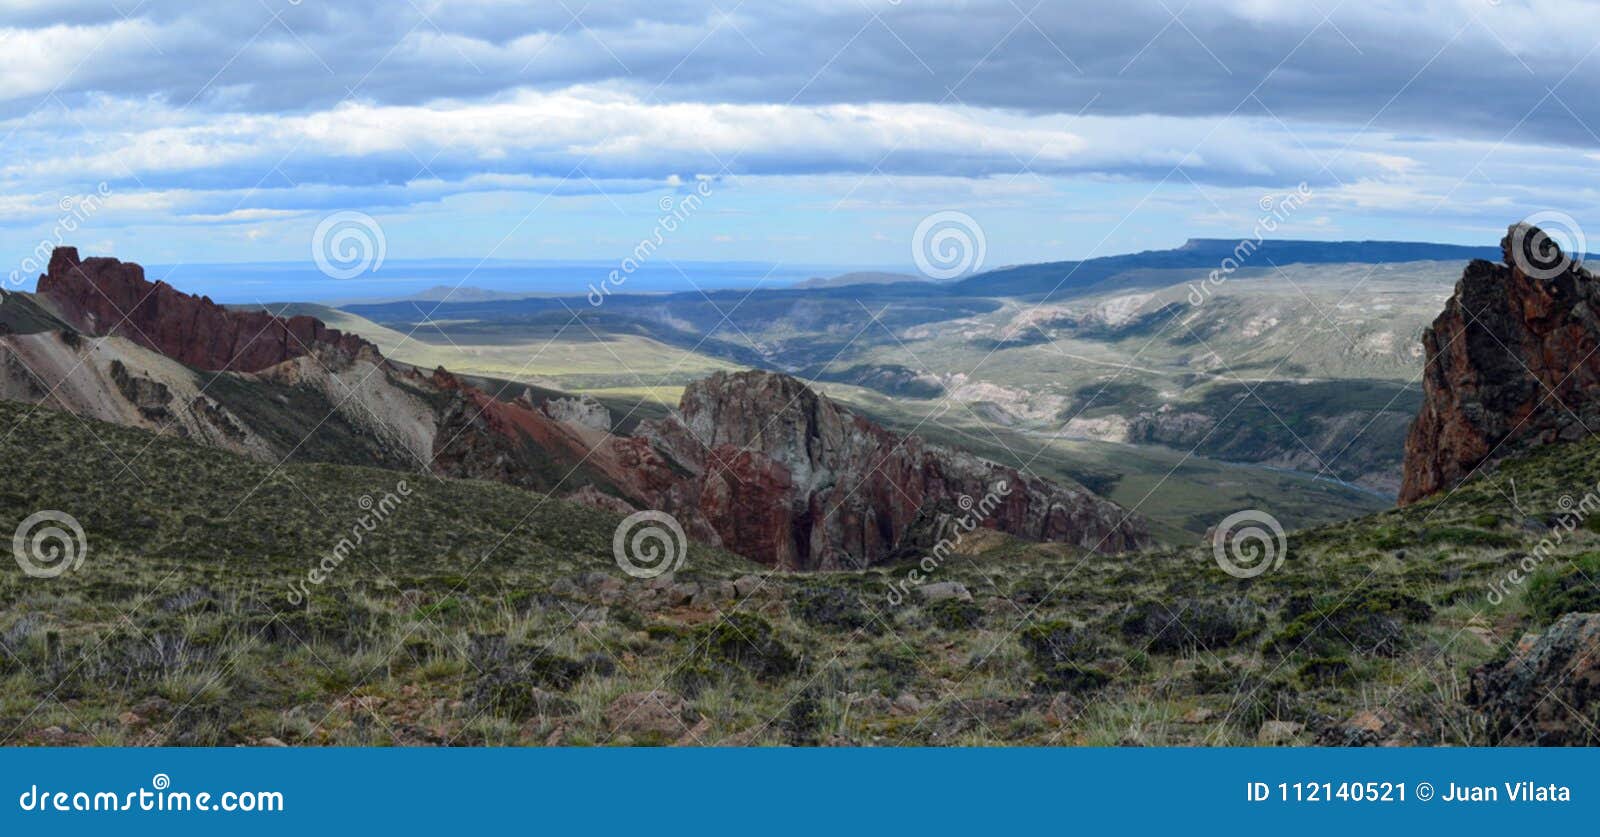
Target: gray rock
column 746, row 586
column 1529, row 697
column 946, row 590
column 581, row 409
column 1278, row 733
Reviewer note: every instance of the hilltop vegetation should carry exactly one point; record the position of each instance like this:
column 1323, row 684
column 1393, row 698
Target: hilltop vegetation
column 475, row 613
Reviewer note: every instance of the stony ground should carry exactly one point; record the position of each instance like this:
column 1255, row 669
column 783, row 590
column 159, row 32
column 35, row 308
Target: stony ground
column 474, row 613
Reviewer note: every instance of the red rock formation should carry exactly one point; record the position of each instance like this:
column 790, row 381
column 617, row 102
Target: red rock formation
column 1511, row 363
column 790, row 478
column 101, row 296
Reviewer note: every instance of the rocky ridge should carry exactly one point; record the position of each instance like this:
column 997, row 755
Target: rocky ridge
column 107, row 297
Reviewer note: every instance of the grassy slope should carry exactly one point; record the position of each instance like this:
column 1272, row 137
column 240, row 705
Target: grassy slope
column 477, row 613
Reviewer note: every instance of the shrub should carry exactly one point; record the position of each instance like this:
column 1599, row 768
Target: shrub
column 1572, row 588
column 736, row 645
column 953, row 614
column 1193, row 623
column 1461, row 536
column 834, row 607
column 1372, row 620
column 802, row 724
column 897, row 664
column 1065, row 656
column 1326, row 671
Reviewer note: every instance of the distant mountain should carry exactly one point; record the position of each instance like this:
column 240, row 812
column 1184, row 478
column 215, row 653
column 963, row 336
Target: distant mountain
column 1032, row 279
column 441, row 293
column 859, row 277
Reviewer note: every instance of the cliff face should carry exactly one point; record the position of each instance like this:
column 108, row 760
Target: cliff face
column 1511, row 363
column 755, row 462
column 102, row 296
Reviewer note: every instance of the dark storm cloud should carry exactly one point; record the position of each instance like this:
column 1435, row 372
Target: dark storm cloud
column 1464, row 68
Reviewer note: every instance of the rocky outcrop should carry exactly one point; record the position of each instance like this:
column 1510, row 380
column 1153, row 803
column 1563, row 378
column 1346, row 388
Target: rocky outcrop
column 102, row 297
column 785, row 473
column 1511, row 363
column 1547, row 692
column 760, row 464
column 580, row 409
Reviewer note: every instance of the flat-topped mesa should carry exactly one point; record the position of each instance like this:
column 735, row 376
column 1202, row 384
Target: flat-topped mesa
column 784, row 473
column 1511, row 364
column 104, row 296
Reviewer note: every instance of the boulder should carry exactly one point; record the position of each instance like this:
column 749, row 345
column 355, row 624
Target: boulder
column 582, row 410
column 1547, row 691
column 939, row 591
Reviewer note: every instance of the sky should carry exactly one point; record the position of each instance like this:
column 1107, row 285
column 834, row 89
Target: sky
column 804, row 132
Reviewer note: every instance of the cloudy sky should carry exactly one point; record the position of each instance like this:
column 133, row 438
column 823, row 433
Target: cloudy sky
column 824, row 130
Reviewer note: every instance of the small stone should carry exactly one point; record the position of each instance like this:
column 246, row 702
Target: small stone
column 870, row 705
column 606, row 584
column 1278, row 733
column 1367, row 721
column 269, row 741
column 153, row 707
column 946, row 590
column 658, row 714
column 1062, row 710
column 746, row 586
column 696, row 736
column 907, row 704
